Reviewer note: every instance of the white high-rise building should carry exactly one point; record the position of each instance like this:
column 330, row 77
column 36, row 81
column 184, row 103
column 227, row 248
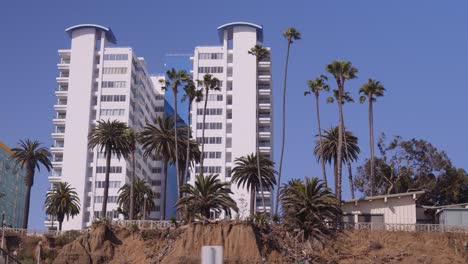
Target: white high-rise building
column 231, row 121
column 98, row 81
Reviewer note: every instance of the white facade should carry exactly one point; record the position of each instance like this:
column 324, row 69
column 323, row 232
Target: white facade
column 388, row 209
column 231, row 121
column 100, row 82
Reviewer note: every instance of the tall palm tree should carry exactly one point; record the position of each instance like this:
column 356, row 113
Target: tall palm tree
column 30, row 155
column 140, row 189
column 315, row 87
column 132, row 137
column 62, row 201
column 370, row 91
column 109, row 137
column 290, row 34
column 175, row 79
column 208, row 194
column 341, row 71
column 192, row 94
column 245, row 174
column 209, row 83
column 311, row 207
column 345, row 98
column 158, row 140
column 330, row 148
column 260, row 53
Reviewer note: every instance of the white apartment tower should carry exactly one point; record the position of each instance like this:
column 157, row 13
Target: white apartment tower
column 99, row 81
column 231, row 121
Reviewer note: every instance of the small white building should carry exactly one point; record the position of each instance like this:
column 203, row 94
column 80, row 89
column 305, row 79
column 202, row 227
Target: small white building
column 397, row 208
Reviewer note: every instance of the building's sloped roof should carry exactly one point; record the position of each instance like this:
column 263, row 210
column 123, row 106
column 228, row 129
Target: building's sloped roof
column 6, row 148
column 109, row 34
column 229, row 26
column 385, row 197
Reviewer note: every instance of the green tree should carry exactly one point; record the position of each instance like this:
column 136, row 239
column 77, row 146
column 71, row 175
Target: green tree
column 291, row 34
column 370, row 91
column 209, row 83
column 341, row 71
column 158, row 141
column 310, row 206
column 330, row 148
column 315, row 87
column 109, row 138
column 132, row 137
column 30, row 155
column 62, row 201
column 208, row 194
column 175, row 79
column 192, row 94
column 140, row 189
column 260, row 54
column 245, row 174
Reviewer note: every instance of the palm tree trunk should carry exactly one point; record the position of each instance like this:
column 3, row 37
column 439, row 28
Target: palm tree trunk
column 259, row 172
column 60, row 225
column 371, row 143
column 29, row 182
column 106, row 184
column 340, row 144
column 322, row 161
column 132, row 192
column 187, row 157
column 348, row 161
column 283, row 127
column 203, row 131
column 176, row 144
column 252, row 202
column 163, row 196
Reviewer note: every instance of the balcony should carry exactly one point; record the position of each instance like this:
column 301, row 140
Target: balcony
column 63, row 77
column 64, row 64
column 61, row 104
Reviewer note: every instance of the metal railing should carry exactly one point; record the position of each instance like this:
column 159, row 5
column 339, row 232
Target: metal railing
column 145, row 224
column 7, row 258
column 431, row 228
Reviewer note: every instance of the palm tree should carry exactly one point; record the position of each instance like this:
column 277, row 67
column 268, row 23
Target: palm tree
column 370, row 91
column 158, row 140
column 245, row 174
column 341, row 71
column 209, row 83
column 315, row 86
column 30, row 155
column 191, row 94
column 175, row 79
column 140, row 189
column 208, row 194
column 132, row 137
column 109, row 137
column 345, row 98
column 290, row 34
column 330, row 148
column 260, row 53
column 310, row 206
column 62, row 201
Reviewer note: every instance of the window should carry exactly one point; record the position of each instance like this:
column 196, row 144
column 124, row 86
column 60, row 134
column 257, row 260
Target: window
column 113, row 169
column 157, row 195
column 210, row 140
column 208, row 169
column 115, row 56
column 110, row 199
column 112, row 112
column 112, row 184
column 215, row 97
column 115, row 70
column 210, row 111
column 210, row 56
column 210, row 125
column 114, row 84
column 210, row 69
column 159, row 109
column 212, row 154
column 156, row 170
column 113, row 98
column 109, row 214
column 155, row 182
column 159, row 97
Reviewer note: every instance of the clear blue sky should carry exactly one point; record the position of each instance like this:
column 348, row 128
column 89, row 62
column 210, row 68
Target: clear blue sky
column 418, row 49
